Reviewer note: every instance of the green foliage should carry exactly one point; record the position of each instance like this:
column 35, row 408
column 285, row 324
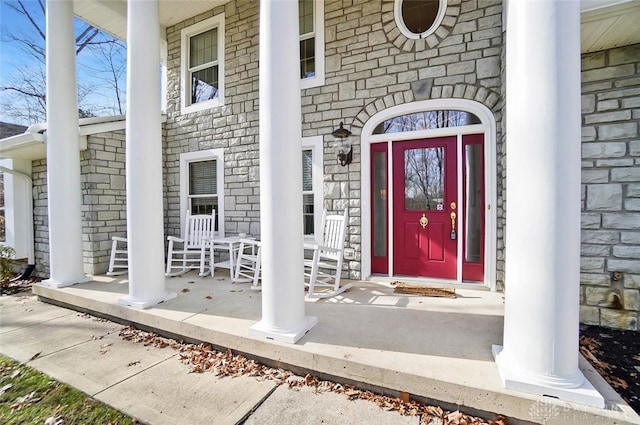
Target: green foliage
column 32, row 397
column 6, row 267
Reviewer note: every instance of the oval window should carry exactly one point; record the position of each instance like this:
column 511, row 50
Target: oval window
column 419, row 18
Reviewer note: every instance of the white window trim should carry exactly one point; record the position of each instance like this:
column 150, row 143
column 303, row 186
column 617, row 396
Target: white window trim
column 317, row 168
column 318, row 79
column 185, row 35
column 397, row 13
column 205, row 155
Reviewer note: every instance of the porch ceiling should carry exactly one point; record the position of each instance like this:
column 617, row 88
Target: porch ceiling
column 607, row 24
column 110, row 15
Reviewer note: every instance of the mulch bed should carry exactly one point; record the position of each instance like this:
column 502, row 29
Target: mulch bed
column 615, row 354
column 19, row 286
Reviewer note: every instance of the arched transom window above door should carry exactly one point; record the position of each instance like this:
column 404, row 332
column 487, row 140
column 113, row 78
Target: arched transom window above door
column 426, row 120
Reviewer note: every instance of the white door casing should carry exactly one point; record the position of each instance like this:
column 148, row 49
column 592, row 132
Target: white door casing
column 487, row 128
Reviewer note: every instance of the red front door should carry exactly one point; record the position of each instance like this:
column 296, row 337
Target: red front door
column 425, row 229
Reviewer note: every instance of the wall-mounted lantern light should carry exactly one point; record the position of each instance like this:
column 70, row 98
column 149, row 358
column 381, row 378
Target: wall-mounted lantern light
column 343, row 145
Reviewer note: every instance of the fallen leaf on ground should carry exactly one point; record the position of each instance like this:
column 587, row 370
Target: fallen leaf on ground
column 185, row 290
column 54, row 420
column 204, row 358
column 5, row 388
column 17, row 404
column 35, row 356
column 209, row 297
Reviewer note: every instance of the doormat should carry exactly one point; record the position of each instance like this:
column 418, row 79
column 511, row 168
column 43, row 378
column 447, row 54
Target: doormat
column 427, row 291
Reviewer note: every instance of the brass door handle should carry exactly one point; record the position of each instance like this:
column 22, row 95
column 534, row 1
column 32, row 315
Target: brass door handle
column 423, row 221
column 453, row 224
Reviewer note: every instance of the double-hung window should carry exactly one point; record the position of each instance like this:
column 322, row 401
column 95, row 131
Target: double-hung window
column 202, row 84
column 312, row 191
column 311, row 16
column 202, row 186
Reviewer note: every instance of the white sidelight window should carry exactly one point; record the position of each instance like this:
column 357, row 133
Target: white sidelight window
column 202, row 185
column 312, row 190
column 202, row 65
column 311, row 14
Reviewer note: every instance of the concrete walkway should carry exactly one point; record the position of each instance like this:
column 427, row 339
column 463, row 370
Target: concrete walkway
column 434, row 349
column 151, row 384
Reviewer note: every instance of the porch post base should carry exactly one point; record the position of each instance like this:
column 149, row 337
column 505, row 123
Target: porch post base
column 55, row 283
column 142, row 303
column 290, row 336
column 513, row 379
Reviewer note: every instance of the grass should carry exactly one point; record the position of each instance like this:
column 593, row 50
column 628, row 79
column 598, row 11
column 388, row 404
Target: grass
column 30, row 397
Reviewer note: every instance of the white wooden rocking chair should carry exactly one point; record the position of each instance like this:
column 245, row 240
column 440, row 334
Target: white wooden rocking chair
column 195, row 241
column 119, row 261
column 325, row 267
column 248, row 263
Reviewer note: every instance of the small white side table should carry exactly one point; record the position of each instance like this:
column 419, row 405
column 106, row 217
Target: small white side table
column 231, row 245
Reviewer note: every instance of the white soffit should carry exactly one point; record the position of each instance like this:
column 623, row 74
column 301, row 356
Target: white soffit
column 607, row 24
column 32, row 143
column 111, row 15
column 23, row 146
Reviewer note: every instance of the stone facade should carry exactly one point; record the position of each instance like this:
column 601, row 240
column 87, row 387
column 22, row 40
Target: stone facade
column 611, row 188
column 369, row 67
column 103, row 202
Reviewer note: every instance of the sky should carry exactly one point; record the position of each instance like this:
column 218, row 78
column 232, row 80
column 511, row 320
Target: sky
column 90, row 69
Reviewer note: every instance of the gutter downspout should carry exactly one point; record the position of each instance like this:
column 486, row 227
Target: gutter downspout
column 31, row 246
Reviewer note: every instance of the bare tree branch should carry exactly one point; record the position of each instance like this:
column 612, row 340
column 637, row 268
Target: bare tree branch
column 88, row 38
column 24, row 90
column 28, row 15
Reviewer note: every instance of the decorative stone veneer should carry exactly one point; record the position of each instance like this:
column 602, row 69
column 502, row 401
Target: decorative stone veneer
column 103, row 202
column 610, row 266
column 365, row 72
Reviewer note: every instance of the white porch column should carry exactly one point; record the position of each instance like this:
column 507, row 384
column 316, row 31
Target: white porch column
column 540, row 352
column 63, row 149
column 145, row 226
column 283, row 311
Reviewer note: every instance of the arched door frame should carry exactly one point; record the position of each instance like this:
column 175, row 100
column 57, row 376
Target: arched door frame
column 487, row 127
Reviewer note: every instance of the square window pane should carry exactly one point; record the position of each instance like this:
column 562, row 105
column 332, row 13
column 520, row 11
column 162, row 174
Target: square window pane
column 204, row 85
column 203, row 178
column 203, row 48
column 205, row 206
column 305, row 11
column 424, row 179
column 307, row 58
column 307, row 213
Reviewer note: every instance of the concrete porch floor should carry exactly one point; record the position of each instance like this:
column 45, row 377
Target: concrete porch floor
column 436, row 349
